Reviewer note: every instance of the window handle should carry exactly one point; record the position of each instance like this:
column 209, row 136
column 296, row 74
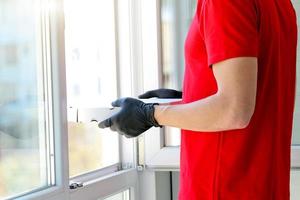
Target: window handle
column 73, row 186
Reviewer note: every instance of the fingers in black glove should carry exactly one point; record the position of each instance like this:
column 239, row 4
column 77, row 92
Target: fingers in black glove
column 162, row 93
column 134, row 118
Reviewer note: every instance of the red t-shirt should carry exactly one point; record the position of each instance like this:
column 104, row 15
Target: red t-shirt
column 252, row 163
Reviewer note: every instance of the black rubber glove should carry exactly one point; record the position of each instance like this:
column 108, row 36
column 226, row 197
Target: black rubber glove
column 134, row 118
column 162, row 93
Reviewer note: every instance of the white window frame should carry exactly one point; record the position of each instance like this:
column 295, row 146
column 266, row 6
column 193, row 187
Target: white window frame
column 55, row 39
column 116, row 178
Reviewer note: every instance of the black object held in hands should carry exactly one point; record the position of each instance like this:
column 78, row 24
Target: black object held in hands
column 134, row 118
column 162, row 94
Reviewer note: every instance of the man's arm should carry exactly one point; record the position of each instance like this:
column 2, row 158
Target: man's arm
column 230, row 108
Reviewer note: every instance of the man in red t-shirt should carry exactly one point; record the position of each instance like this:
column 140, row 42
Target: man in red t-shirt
column 238, row 102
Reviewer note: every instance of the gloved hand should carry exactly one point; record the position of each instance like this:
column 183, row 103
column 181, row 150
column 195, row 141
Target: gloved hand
column 134, row 118
column 162, row 93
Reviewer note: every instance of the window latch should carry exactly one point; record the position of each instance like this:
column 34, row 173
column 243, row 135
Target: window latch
column 73, row 186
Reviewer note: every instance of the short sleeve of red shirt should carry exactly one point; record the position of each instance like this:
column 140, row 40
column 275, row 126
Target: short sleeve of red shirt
column 229, row 29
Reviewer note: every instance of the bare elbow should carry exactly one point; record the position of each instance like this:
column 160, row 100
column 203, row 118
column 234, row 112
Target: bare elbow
column 242, row 122
column 241, row 116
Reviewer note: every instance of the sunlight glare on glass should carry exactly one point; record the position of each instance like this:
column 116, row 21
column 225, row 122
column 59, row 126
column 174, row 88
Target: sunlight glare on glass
column 90, row 52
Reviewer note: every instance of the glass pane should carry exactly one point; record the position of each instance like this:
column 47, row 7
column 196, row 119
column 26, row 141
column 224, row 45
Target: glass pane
column 296, row 132
column 176, row 16
column 91, row 148
column 121, row 196
column 25, row 161
column 91, row 80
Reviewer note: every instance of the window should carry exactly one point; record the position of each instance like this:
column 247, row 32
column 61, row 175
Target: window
column 91, row 81
column 175, row 20
column 26, row 131
column 99, row 37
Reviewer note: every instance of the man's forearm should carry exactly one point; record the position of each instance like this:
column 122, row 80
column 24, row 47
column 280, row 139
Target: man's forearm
column 214, row 113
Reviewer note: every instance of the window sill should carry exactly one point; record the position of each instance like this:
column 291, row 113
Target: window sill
column 52, row 193
column 295, row 156
column 106, row 185
column 167, row 159
column 93, row 175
